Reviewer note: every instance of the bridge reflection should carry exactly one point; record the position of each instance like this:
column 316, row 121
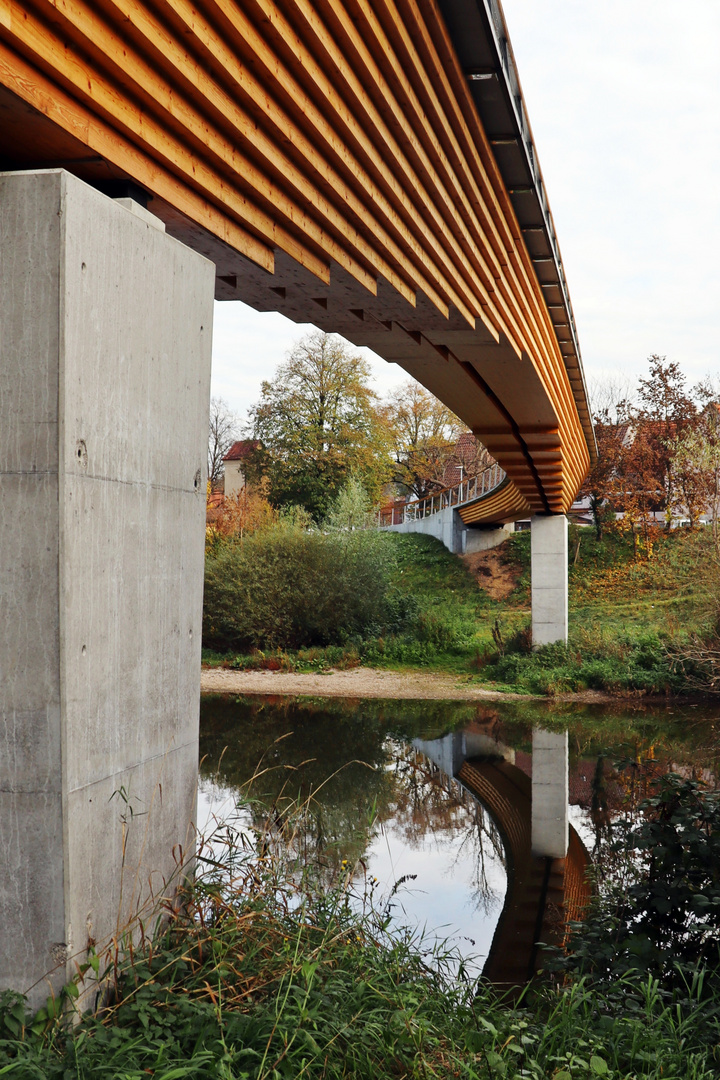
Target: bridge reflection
column 547, row 886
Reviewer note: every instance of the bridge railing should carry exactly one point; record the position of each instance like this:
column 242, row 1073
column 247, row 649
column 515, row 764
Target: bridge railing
column 417, row 509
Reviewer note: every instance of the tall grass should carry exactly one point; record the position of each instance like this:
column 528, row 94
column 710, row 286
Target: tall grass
column 276, row 967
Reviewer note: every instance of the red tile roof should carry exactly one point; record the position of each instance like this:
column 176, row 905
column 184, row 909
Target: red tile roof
column 241, row 449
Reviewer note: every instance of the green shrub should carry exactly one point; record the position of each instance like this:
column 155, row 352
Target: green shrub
column 589, row 662
column 287, row 588
column 657, row 909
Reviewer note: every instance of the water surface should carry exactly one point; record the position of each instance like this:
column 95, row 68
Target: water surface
column 415, row 837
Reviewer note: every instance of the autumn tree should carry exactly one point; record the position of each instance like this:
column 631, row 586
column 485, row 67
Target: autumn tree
column 695, row 462
column 638, row 490
column 637, row 471
column 424, row 433
column 239, row 515
column 600, row 486
column 318, row 423
column 665, row 413
column 224, row 430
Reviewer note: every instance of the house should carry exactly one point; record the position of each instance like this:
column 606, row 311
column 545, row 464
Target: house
column 469, row 458
column 235, row 462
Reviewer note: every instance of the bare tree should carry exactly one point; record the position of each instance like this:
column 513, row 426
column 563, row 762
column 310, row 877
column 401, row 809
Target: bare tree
column 223, row 431
column 611, row 398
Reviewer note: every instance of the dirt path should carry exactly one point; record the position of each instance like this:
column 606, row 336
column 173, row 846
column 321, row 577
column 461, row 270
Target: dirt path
column 355, row 683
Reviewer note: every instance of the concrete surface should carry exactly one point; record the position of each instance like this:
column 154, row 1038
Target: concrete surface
column 447, row 526
column 549, row 576
column 104, row 390
column 452, row 750
column 549, row 794
column 474, row 540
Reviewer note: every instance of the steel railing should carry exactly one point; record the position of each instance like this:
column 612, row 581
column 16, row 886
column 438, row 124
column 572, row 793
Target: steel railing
column 467, row 490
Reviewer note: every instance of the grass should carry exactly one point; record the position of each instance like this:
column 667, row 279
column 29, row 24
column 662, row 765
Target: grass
column 274, row 970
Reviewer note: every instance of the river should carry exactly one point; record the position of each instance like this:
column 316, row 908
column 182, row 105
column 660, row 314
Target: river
column 377, row 779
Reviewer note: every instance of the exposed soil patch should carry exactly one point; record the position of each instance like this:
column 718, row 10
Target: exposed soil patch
column 494, row 576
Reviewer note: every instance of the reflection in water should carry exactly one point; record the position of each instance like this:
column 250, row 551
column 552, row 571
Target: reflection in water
column 372, row 799
column 377, row 778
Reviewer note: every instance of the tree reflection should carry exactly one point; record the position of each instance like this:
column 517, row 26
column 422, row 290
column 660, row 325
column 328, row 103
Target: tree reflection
column 431, row 805
column 363, row 782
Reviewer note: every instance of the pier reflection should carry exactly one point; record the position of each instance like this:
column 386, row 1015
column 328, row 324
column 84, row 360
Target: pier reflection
column 546, row 861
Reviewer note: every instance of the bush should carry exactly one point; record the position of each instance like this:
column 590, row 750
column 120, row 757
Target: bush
column 658, row 905
column 639, row 664
column 286, row 588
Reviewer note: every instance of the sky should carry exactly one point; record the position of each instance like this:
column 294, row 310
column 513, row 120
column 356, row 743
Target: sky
column 623, row 98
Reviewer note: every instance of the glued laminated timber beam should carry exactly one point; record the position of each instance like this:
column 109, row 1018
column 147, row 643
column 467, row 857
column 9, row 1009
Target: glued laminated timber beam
column 365, row 165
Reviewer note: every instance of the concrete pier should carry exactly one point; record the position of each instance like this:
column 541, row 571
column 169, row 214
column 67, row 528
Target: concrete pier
column 549, row 574
column 104, row 387
column 549, row 794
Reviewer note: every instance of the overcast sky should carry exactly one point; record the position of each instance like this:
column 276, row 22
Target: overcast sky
column 624, row 101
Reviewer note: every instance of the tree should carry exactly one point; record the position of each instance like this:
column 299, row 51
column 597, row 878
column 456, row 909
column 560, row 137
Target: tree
column 424, row 434
column 695, row 462
column 641, row 470
column 224, row 430
column 638, row 485
column 238, row 515
column 637, row 443
column 666, row 412
column 351, row 509
column 318, row 423
column 599, row 485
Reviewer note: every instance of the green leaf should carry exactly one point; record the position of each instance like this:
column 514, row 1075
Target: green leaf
column 598, row 1065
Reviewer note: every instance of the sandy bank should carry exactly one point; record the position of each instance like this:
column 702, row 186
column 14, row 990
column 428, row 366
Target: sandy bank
column 354, row 683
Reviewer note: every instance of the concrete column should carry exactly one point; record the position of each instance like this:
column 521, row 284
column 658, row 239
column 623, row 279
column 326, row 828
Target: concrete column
column 549, row 573
column 549, row 794
column 104, row 385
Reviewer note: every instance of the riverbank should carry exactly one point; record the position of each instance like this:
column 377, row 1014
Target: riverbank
column 282, row 962
column 363, row 682
column 637, row 625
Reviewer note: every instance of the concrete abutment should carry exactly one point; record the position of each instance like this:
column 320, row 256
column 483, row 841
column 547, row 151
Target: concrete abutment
column 106, row 327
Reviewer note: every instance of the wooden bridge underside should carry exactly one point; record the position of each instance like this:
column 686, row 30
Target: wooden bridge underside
column 329, row 157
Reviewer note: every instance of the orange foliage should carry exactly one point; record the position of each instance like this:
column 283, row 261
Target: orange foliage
column 239, row 515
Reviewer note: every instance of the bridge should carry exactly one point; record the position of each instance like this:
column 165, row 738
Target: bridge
column 466, row 517
column 547, row 863
column 365, row 165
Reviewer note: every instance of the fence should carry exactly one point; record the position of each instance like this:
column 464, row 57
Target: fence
column 467, row 490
